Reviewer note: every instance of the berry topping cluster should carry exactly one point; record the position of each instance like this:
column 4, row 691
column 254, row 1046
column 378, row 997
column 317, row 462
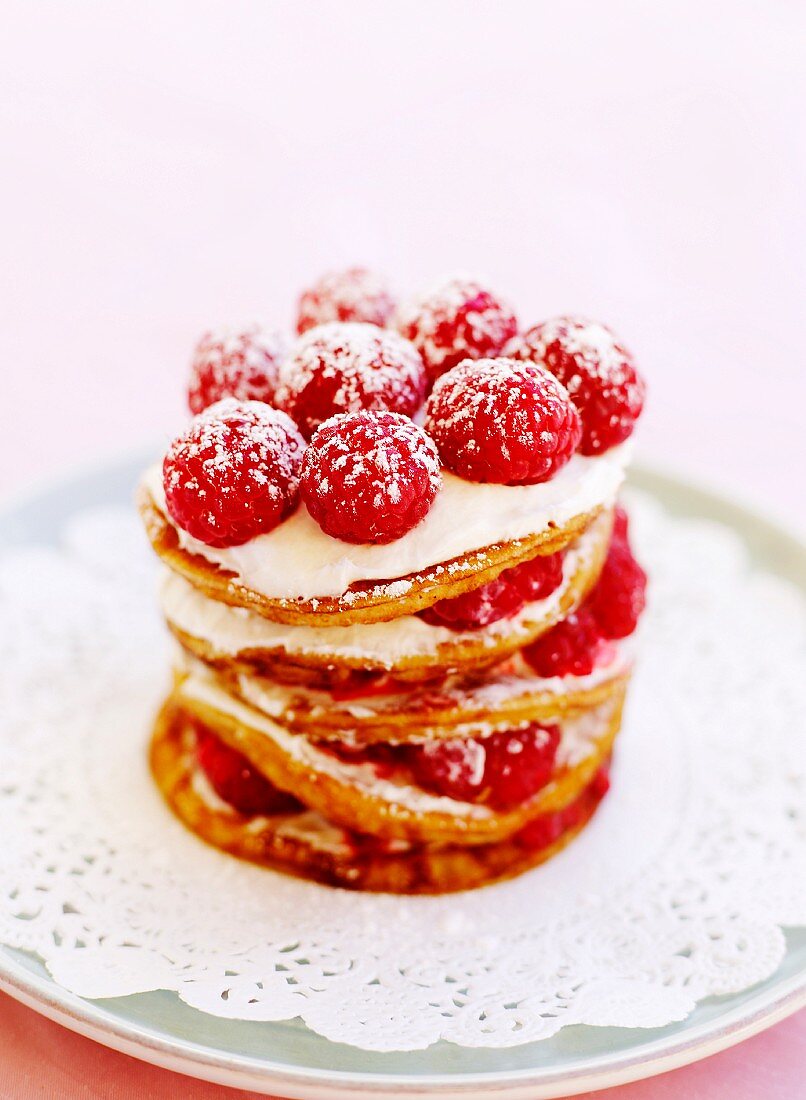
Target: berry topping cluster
column 460, row 319
column 504, row 408
column 369, row 476
column 576, row 645
column 356, row 294
column 502, row 421
column 598, row 372
column 242, row 363
column 348, row 367
column 235, row 473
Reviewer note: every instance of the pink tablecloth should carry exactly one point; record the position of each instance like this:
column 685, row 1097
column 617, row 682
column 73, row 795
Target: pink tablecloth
column 41, row 1059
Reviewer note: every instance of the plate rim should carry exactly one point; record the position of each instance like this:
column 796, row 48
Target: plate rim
column 760, row 1011
column 767, row 1008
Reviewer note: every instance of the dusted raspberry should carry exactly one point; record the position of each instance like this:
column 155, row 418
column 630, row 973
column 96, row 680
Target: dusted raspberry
column 347, row 367
column 598, row 372
column 461, row 319
column 569, row 649
column 234, row 473
column 619, row 597
column 241, row 363
column 538, row 578
column 352, row 295
column 234, row 779
column 502, row 770
column 369, row 476
column 519, row 763
column 472, row 610
column 501, row 421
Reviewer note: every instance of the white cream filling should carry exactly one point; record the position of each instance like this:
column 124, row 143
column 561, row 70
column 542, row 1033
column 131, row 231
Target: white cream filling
column 578, row 736
column 297, row 560
column 234, row 630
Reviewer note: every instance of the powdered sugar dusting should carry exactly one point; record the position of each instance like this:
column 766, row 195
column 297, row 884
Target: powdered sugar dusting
column 502, row 420
column 235, row 362
column 356, row 294
column 597, row 370
column 459, row 318
column 234, row 473
column 347, row 367
column 370, row 477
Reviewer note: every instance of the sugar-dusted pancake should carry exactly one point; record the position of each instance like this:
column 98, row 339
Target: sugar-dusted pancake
column 389, row 711
column 309, row 846
column 364, row 602
column 355, row 796
column 408, row 647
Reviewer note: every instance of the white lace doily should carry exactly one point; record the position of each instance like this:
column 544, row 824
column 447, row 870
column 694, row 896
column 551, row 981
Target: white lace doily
column 678, row 889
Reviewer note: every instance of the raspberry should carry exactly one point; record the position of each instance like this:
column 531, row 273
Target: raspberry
column 234, row 473
column 498, row 599
column 570, row 648
column 347, row 367
column 502, row 421
column 459, row 320
column 487, row 604
column 619, row 597
column 352, row 295
column 234, row 779
column 542, row 831
column 240, row 363
column 501, row 770
column 621, row 525
column 538, row 578
column 548, row 828
column 598, row 372
column 369, row 476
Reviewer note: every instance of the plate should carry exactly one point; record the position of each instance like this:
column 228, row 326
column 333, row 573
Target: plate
column 289, row 1060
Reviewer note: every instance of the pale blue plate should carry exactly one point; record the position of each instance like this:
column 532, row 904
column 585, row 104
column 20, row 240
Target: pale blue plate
column 288, row 1059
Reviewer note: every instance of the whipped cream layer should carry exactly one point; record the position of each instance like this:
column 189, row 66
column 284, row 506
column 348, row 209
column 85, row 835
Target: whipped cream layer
column 233, row 630
column 579, row 735
column 297, row 560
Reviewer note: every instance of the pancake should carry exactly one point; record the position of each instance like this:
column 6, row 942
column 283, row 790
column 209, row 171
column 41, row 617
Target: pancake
column 307, row 846
column 364, row 601
column 354, row 796
column 392, row 713
column 408, row 647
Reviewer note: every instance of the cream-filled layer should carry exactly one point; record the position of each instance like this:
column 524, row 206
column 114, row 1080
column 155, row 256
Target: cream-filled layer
column 234, row 630
column 578, row 737
column 297, row 560
column 496, row 689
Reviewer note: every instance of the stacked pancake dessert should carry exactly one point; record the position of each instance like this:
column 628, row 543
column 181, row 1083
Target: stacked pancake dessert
column 401, row 587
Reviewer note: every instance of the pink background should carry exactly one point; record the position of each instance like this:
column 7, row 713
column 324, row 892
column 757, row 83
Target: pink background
column 175, row 165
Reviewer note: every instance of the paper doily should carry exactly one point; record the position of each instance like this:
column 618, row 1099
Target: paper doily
column 678, row 890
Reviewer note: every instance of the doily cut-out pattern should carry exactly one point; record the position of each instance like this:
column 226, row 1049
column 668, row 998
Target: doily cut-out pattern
column 678, row 890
